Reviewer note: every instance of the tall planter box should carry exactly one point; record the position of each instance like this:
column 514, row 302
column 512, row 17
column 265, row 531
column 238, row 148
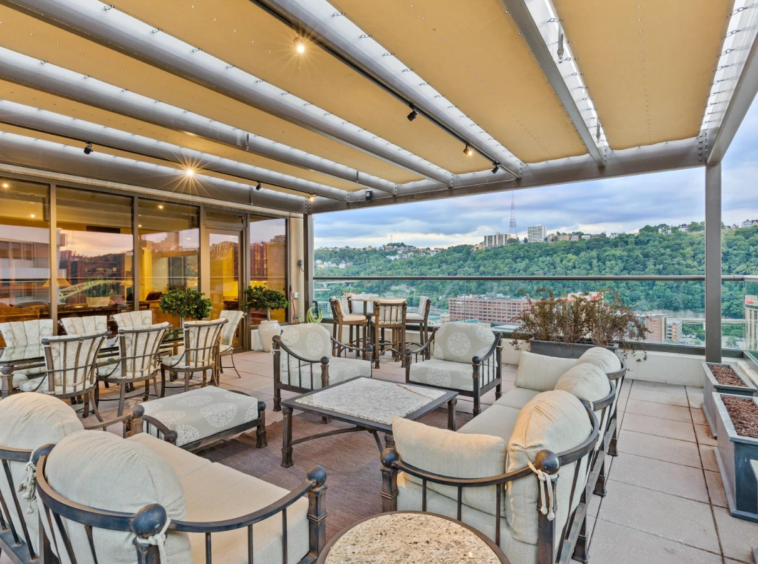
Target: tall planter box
column 563, row 350
column 711, row 385
column 735, row 455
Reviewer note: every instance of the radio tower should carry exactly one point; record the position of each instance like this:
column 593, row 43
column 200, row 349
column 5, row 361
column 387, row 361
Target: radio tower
column 514, row 232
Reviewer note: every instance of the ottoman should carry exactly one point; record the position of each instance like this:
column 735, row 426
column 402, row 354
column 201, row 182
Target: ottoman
column 198, row 418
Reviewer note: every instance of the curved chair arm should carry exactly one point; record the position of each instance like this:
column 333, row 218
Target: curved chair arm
column 126, row 419
column 493, row 348
column 427, row 346
column 162, row 432
column 368, row 349
column 278, row 344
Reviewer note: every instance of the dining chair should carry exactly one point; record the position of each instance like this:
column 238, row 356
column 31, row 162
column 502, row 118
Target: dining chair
column 389, row 315
column 226, row 346
column 26, row 333
column 345, row 318
column 420, row 319
column 201, row 342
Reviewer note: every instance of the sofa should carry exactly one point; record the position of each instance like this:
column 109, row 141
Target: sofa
column 115, row 485
column 499, row 472
column 303, row 360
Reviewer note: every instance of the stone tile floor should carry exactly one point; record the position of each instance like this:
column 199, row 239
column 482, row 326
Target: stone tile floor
column 665, row 501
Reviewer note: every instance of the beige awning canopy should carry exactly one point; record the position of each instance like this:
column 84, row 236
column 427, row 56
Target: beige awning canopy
column 503, row 93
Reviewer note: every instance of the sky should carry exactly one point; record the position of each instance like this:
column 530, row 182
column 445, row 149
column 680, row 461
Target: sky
column 620, row 205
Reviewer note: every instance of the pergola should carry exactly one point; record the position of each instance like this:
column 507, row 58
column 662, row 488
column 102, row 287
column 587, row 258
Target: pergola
column 307, row 106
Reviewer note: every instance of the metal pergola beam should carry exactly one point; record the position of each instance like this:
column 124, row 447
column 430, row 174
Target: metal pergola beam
column 661, row 157
column 84, row 131
column 58, row 81
column 45, row 155
column 548, row 61
column 117, row 30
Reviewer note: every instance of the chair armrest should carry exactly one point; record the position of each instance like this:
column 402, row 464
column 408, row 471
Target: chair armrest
column 411, row 351
column 278, row 344
column 126, row 419
column 493, row 348
column 164, row 433
column 366, row 349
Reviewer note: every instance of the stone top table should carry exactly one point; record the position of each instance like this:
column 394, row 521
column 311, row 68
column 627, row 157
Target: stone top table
column 411, row 537
column 369, row 404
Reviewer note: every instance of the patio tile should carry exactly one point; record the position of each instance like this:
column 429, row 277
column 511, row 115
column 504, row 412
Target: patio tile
column 738, row 536
column 659, row 397
column 708, row 458
column 659, row 427
column 704, row 436
column 674, row 479
column 660, row 410
column 660, row 387
column 660, row 514
column 616, row 544
column 698, row 417
column 659, row 448
column 716, row 490
column 247, row 382
column 695, row 395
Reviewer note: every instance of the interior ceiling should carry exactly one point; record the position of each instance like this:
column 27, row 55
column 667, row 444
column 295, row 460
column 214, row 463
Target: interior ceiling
column 43, row 41
column 648, row 64
column 472, row 53
column 241, row 33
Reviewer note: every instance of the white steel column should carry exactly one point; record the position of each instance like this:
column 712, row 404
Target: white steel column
column 713, row 263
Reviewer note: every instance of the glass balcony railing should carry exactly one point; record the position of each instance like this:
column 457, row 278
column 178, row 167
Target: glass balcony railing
column 671, row 307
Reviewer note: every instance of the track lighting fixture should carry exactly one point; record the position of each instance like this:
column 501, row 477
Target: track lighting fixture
column 597, row 132
column 369, row 195
column 495, row 166
column 312, row 198
column 88, row 148
column 413, row 114
column 467, row 150
column 561, row 51
column 189, row 172
column 258, row 186
column 300, row 44
column 6, row 185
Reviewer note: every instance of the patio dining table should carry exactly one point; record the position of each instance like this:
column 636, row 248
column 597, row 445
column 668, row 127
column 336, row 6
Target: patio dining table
column 33, row 356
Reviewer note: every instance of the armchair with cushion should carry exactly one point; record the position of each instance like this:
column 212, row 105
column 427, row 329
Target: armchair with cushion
column 303, row 361
column 522, row 477
column 17, row 334
column 465, row 358
column 226, row 346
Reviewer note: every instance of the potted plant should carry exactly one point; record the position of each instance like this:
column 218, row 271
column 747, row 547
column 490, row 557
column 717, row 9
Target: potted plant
column 185, row 303
column 737, row 426
column 99, row 293
column 567, row 327
column 260, row 297
column 724, row 379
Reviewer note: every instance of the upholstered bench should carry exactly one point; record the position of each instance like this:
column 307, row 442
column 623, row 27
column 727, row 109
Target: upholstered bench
column 198, row 418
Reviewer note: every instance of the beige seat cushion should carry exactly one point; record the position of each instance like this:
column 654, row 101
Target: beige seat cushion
column 516, row 397
column 588, row 382
column 29, row 421
column 496, row 420
column 414, row 317
column 201, row 413
column 539, row 372
column 602, row 358
column 457, row 455
column 341, row 369
column 104, row 471
column 410, row 499
column 217, row 492
column 353, row 318
column 448, row 374
column 554, row 421
column 183, row 463
column 461, row 342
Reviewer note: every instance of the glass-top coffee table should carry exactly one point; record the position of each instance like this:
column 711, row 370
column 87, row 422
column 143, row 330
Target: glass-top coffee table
column 369, row 404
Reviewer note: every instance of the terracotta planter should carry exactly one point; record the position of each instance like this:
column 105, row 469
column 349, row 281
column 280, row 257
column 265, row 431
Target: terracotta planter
column 564, row 350
column 710, row 385
column 735, row 455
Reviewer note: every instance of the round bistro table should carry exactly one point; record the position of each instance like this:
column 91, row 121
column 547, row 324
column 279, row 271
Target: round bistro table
column 401, row 537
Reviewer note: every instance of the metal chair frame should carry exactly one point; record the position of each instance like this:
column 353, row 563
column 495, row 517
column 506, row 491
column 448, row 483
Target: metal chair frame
column 193, row 352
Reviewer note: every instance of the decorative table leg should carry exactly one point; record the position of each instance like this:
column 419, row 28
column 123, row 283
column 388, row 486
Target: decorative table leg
column 389, row 440
column 451, row 414
column 287, row 437
column 260, row 434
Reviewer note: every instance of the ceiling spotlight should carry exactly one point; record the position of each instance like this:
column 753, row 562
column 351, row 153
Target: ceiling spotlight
column 33, row 216
column 160, row 206
column 468, row 151
column 189, row 172
column 88, row 148
column 300, row 44
column 413, row 114
column 312, row 198
column 258, row 186
column 369, row 195
column 6, row 185
column 495, row 166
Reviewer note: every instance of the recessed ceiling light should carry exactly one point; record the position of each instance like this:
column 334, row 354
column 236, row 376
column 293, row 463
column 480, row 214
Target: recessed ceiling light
column 160, row 206
column 6, row 185
column 189, row 172
column 300, row 44
column 32, row 215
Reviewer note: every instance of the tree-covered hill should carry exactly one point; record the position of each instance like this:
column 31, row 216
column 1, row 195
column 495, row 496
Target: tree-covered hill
column 649, row 252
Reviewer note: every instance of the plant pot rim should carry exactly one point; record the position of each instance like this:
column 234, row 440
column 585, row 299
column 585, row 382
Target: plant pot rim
column 724, row 388
column 267, row 321
column 728, row 425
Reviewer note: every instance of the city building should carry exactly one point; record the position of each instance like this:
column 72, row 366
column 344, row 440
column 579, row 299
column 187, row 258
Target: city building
column 673, row 330
column 487, row 308
column 497, row 240
column 749, row 223
column 536, row 234
column 656, row 326
column 564, row 237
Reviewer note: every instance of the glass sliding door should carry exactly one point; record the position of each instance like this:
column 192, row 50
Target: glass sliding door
column 225, row 270
column 268, row 260
column 24, row 251
column 95, row 253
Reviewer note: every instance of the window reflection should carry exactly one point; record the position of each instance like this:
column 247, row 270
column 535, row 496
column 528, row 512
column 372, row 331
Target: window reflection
column 95, row 253
column 169, row 253
column 225, row 270
column 24, row 251
column 268, row 260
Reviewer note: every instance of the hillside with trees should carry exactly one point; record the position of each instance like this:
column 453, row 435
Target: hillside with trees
column 648, row 253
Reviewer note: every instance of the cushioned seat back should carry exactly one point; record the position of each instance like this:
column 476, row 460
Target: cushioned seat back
column 588, row 382
column 601, row 357
column 201, row 339
column 554, row 421
column 233, row 318
column 307, row 340
column 29, row 421
column 134, row 319
column 19, row 333
column 540, row 372
column 85, row 325
column 456, row 455
column 104, row 471
column 423, row 302
column 140, row 350
column 71, row 362
column 461, row 342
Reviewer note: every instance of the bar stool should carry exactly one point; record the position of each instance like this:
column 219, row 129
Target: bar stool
column 420, row 319
column 343, row 317
column 389, row 314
